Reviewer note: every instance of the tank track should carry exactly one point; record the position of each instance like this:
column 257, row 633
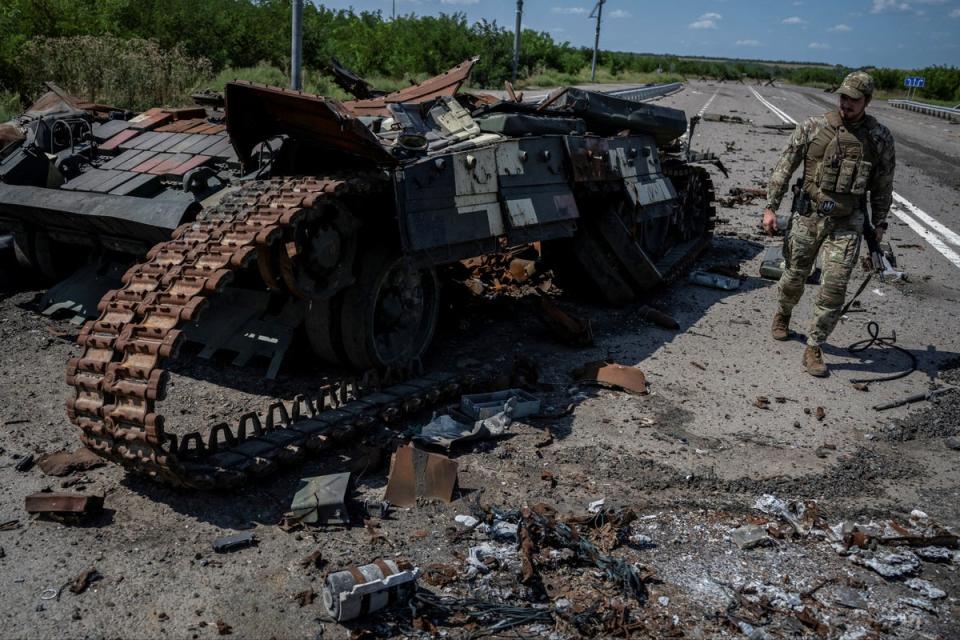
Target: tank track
column 120, row 379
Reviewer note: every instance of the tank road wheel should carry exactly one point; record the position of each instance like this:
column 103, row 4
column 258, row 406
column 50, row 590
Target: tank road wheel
column 389, row 316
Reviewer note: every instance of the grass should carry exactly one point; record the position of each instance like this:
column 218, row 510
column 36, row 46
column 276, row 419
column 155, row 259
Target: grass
column 902, row 95
column 551, row 78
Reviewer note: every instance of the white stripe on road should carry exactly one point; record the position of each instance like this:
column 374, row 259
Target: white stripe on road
column 707, row 104
column 935, row 224
column 783, row 115
column 936, row 241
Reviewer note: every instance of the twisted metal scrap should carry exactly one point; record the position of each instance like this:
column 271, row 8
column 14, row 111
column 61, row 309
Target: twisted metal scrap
column 502, row 616
column 538, row 526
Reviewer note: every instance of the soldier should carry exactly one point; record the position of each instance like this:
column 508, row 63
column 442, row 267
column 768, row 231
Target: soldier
column 848, row 158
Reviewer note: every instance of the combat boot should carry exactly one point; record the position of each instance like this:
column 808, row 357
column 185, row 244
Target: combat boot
column 813, row 362
column 781, row 327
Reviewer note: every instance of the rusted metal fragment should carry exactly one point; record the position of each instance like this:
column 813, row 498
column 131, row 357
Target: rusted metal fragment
column 63, row 503
column 415, row 473
column 57, row 100
column 445, row 84
column 616, row 375
column 64, row 463
column 658, row 317
column 84, row 580
column 10, row 134
column 256, row 113
column 567, row 328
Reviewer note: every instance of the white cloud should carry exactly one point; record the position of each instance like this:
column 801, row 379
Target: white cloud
column 955, row 13
column 747, row 43
column 570, row 11
column 793, row 20
column 840, row 28
column 880, row 6
column 706, row 21
column 620, row 13
column 818, row 45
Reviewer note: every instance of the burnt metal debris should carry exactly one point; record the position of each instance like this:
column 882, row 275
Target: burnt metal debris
column 63, row 504
column 322, row 499
column 357, row 591
column 415, row 473
column 234, row 541
column 614, row 375
column 270, row 192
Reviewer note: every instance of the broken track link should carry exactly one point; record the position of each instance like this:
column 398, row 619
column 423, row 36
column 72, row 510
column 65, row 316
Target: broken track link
column 120, row 378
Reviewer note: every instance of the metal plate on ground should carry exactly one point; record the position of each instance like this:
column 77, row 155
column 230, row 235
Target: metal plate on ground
column 415, row 473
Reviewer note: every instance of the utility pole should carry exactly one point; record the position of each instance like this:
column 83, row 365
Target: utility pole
column 597, row 10
column 516, row 40
column 296, row 46
column 394, row 9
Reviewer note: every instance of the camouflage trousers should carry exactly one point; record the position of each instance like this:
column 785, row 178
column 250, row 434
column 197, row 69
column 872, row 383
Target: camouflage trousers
column 840, row 240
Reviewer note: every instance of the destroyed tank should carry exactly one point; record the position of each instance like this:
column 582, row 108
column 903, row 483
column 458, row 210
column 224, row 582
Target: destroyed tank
column 341, row 215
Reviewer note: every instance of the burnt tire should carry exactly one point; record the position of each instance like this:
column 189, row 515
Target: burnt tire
column 389, row 316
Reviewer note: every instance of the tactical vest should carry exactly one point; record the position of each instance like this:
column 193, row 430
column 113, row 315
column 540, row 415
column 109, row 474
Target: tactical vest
column 838, row 166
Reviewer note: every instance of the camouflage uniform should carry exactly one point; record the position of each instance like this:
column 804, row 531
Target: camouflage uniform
column 838, row 235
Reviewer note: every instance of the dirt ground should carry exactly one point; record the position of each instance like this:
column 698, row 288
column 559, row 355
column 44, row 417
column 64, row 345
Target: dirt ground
column 691, row 459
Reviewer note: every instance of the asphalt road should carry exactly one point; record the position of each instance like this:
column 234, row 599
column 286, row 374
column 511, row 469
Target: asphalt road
column 742, row 362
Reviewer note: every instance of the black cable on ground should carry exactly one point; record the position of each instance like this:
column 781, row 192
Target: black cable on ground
column 888, row 341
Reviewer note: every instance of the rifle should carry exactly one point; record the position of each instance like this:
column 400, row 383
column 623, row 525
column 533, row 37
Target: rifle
column 876, row 261
column 876, row 253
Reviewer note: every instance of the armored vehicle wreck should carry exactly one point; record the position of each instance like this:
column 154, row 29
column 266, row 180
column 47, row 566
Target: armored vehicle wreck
column 342, row 211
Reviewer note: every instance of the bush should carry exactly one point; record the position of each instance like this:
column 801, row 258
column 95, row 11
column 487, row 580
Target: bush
column 134, row 73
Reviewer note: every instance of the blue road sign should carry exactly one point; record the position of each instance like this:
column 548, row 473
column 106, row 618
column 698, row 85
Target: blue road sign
column 913, row 81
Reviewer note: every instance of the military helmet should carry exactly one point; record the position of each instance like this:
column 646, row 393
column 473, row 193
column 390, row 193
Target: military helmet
column 857, row 85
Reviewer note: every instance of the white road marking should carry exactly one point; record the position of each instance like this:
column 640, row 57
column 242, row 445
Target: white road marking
column 935, row 224
column 707, row 104
column 783, row 115
column 936, row 241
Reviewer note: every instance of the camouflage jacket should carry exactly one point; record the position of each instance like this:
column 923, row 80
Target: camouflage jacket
column 881, row 180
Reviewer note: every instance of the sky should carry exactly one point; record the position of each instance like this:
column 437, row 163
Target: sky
column 885, row 33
